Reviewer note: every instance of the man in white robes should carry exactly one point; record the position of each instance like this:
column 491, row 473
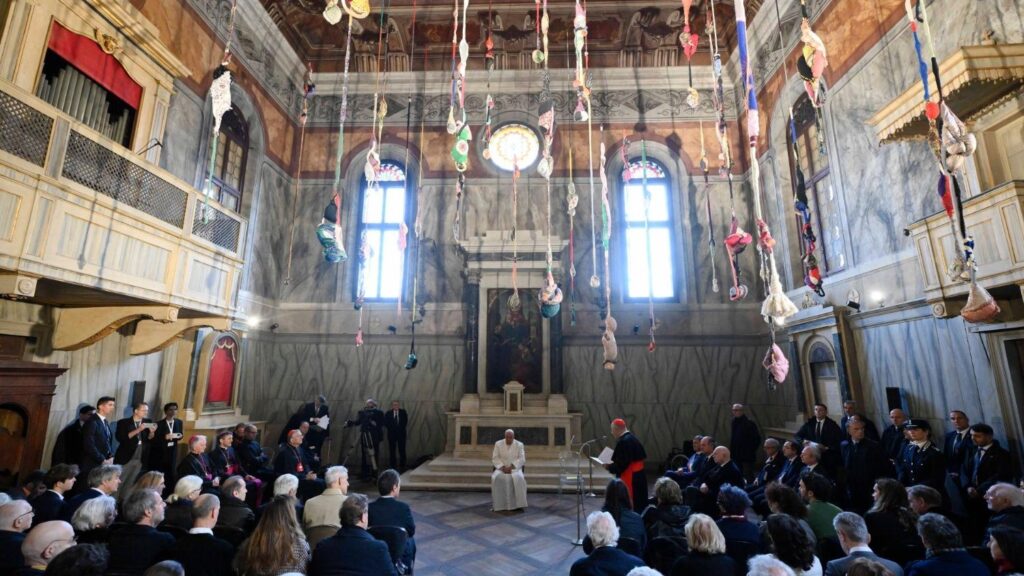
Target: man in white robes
column 508, row 485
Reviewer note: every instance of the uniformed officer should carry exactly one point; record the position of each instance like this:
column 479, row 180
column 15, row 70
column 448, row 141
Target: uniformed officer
column 922, row 462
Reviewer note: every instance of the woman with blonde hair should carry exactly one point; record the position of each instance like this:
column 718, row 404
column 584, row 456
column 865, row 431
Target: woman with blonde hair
column 707, row 549
column 179, row 503
column 277, row 545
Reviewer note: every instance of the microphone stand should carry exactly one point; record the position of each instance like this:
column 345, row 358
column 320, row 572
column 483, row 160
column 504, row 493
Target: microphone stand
column 590, row 464
column 579, row 496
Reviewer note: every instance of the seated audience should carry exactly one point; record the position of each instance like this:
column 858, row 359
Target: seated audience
column 606, row 559
column 1006, row 502
column 815, row 490
column 277, row 544
column 946, row 553
column 1007, row 548
column 43, row 543
column 352, row 551
column 226, row 463
column 179, row 504
column 785, row 500
column 768, row 565
column 15, row 520
column 136, row 547
column 703, row 497
column 892, row 524
column 103, row 480
column 166, row 568
column 774, row 461
column 789, row 475
column 618, row 503
column 707, row 549
column 234, row 512
column 667, row 517
column 387, row 510
column 789, row 543
column 153, row 480
column 200, row 552
column 867, row 567
column 734, row 524
column 323, row 510
column 93, row 518
column 197, row 463
column 252, row 457
column 59, row 481
column 699, row 463
column 80, row 560
column 854, row 539
column 811, row 456
column 925, row 499
column 293, row 459
column 33, row 485
column 285, row 485
column 864, row 461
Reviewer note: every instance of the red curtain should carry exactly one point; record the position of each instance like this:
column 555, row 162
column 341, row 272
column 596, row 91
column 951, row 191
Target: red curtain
column 222, row 372
column 86, row 55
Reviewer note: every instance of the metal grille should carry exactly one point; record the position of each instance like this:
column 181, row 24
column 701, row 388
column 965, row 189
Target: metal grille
column 24, row 131
column 100, row 169
column 218, row 227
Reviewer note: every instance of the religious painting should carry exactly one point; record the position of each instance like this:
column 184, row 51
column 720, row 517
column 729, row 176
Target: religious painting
column 220, row 387
column 515, row 342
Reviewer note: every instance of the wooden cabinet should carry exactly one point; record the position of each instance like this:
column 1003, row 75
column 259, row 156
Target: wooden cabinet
column 26, row 389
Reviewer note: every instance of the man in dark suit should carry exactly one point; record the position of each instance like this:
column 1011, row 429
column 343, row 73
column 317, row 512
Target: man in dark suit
column 163, row 451
column 922, row 461
column 704, row 498
column 812, row 458
column 744, row 441
column 103, row 480
column 854, row 538
column 985, row 465
column 824, row 431
column 252, row 457
column 311, row 414
column 956, row 447
column 68, row 447
column 97, row 440
column 352, row 551
column 15, row 521
column 293, row 459
column 945, row 550
column 772, row 465
column 788, row 475
column 864, row 462
column 893, row 440
column 133, row 434
column 389, row 511
column 396, row 420
column 136, row 547
column 850, row 411
column 59, row 481
column 199, row 552
column 606, row 558
column 697, row 465
column 233, row 511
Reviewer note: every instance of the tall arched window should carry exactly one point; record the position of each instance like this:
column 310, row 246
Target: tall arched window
column 381, row 216
column 232, row 152
column 650, row 268
column 821, row 195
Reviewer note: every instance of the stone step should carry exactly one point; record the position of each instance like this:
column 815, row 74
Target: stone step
column 449, row 473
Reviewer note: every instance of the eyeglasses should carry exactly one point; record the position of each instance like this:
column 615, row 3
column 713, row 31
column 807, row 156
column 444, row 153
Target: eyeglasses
column 29, row 513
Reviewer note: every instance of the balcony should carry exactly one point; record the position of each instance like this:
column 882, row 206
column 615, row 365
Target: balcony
column 996, row 220
column 89, row 223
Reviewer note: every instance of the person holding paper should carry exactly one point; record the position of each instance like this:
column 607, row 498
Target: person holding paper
column 508, row 485
column 628, row 463
column 133, row 435
column 163, row 451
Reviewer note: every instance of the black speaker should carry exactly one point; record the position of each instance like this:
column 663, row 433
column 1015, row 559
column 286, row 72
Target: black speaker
column 895, row 398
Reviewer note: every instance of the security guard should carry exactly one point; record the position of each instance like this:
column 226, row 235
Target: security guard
column 922, row 462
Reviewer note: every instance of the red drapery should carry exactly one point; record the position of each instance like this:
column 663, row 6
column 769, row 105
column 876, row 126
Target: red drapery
column 86, row 55
column 222, row 372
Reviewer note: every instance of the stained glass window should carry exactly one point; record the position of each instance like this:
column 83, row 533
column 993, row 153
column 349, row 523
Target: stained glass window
column 513, row 144
column 650, row 267
column 383, row 211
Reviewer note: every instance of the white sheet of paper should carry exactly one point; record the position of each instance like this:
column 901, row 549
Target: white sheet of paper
column 605, row 457
column 324, row 422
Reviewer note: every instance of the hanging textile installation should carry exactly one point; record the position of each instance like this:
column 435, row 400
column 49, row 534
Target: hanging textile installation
column 688, row 40
column 220, row 103
column 411, row 360
column 704, row 168
column 308, row 88
column 652, row 324
column 611, row 349
column 550, row 294
column 459, row 128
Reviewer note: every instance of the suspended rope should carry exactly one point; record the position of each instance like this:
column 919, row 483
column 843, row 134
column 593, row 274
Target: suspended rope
column 220, row 103
column 514, row 303
column 380, row 104
column 550, row 294
column 608, row 344
column 652, row 324
column 459, row 128
column 403, row 228
column 688, row 40
column 595, row 279
column 416, row 312
column 572, row 200
column 308, row 88
column 489, row 65
column 704, row 167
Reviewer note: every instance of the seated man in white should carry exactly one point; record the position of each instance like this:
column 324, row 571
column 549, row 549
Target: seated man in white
column 508, row 485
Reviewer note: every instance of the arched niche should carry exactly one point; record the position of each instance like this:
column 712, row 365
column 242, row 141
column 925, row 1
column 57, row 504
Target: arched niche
column 218, row 373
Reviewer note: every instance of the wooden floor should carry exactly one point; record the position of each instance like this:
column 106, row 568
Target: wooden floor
column 458, row 535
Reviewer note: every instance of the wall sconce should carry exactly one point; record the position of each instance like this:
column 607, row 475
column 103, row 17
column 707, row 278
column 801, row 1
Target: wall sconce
column 878, row 297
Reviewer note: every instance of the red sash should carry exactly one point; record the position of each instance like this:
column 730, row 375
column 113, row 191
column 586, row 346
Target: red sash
column 627, row 475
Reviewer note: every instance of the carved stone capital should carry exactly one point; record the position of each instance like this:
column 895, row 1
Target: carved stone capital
column 17, row 286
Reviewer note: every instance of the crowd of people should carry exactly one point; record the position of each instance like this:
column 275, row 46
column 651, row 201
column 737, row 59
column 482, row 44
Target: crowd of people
column 837, row 499
column 133, row 508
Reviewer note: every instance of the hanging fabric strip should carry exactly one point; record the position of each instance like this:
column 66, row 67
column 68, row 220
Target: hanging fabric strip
column 608, row 344
column 308, row 88
column 647, row 233
column 514, row 303
column 220, row 97
column 572, row 200
column 689, row 41
column 704, row 168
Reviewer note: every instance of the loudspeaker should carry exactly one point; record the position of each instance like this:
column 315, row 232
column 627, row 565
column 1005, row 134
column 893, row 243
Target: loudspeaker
column 895, row 398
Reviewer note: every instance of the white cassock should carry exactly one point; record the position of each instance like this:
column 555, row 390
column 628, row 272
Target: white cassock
column 508, row 490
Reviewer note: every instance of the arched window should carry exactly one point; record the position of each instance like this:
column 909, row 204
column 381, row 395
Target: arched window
column 650, row 268
column 381, row 215
column 229, row 167
column 821, row 195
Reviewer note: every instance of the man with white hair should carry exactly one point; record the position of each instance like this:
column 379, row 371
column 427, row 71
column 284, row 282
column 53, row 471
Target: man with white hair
column 15, row 520
column 768, row 565
column 508, row 485
column 606, row 559
column 323, row 510
column 44, row 542
column 854, row 538
column 1006, row 502
column 285, row 485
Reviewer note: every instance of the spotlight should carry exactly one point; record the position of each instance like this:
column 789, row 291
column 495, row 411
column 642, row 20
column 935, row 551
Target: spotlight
column 332, row 13
column 253, row 321
column 636, row 329
column 392, row 329
column 878, row 297
column 274, row 326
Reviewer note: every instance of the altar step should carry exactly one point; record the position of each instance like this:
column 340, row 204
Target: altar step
column 447, row 472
